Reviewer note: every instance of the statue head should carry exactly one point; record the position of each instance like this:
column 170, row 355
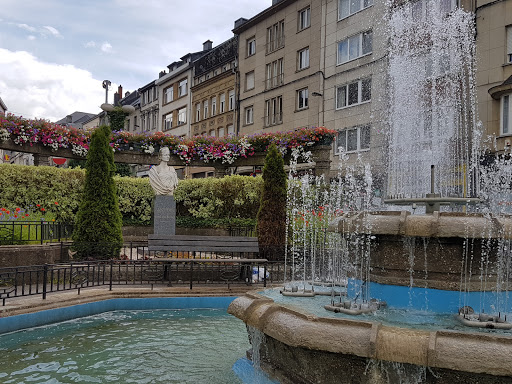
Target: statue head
column 164, row 154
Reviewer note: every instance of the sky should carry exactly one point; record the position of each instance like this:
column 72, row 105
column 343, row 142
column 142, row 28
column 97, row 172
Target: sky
column 54, row 54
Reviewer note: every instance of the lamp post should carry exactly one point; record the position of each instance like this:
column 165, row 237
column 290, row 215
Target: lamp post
column 318, row 94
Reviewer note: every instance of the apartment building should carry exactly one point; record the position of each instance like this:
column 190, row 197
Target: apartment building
column 280, row 78
column 148, row 119
column 174, row 94
column 213, row 95
column 494, row 71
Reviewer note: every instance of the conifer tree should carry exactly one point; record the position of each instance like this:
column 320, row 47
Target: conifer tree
column 98, row 222
column 272, row 212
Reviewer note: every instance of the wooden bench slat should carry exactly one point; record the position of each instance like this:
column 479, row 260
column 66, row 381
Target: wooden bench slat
column 201, row 249
column 184, row 243
column 203, row 238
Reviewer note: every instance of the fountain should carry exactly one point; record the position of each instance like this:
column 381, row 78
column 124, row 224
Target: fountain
column 438, row 253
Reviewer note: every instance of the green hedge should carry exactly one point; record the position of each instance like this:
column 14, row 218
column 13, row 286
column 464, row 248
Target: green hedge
column 229, row 198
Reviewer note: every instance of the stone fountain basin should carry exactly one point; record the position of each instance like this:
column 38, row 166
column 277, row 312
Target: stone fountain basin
column 475, row 353
column 438, row 224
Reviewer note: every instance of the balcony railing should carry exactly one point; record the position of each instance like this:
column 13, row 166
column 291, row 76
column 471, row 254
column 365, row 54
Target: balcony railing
column 274, row 82
column 275, row 44
column 274, row 119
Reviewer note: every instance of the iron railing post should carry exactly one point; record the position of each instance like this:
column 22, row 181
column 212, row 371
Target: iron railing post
column 264, row 275
column 111, row 273
column 45, row 280
column 191, row 273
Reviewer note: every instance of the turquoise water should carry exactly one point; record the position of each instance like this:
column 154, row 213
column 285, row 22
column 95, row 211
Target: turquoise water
column 128, row 346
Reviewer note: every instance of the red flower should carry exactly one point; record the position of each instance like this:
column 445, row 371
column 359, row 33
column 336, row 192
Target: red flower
column 8, row 212
column 18, row 209
column 38, row 205
column 56, row 203
column 16, row 216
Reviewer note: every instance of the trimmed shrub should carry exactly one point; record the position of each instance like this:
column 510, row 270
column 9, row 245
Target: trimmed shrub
column 272, row 212
column 98, row 222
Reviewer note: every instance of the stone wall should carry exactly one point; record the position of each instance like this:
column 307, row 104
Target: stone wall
column 22, row 255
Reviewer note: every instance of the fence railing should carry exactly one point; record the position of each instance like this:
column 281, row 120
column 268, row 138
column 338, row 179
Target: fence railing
column 33, row 232
column 48, row 278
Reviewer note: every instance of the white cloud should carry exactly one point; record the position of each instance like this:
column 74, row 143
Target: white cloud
column 26, row 27
column 33, row 88
column 90, row 44
column 106, row 47
column 31, row 37
column 52, row 31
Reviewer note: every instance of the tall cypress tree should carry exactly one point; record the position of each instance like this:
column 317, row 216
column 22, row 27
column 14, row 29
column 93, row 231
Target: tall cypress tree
column 98, row 222
column 272, row 212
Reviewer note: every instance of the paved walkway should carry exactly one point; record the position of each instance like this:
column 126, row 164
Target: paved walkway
column 28, row 304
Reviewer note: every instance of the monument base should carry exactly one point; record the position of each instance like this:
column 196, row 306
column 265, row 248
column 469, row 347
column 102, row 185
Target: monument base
column 164, row 215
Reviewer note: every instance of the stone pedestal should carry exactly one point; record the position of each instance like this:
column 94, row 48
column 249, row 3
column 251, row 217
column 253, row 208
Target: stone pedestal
column 164, row 215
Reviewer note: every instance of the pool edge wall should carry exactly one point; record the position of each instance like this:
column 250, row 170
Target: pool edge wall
column 302, row 348
column 54, row 315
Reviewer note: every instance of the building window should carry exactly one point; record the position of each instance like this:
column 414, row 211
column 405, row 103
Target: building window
column 231, row 129
column 135, row 126
column 354, row 93
column 205, row 109
column 169, row 94
column 274, row 75
column 198, row 112
column 249, row 115
column 182, row 116
column 214, row 106
column 155, row 93
column 251, row 46
column 304, row 18
column 231, row 100
column 349, row 7
column 302, row 99
column 148, row 122
column 353, row 139
column 275, row 36
column 212, row 132
column 222, row 103
column 506, row 115
column 221, row 132
column 354, row 47
column 303, row 59
column 155, row 118
column 249, row 80
column 182, row 89
column 274, row 111
column 168, row 121
column 509, row 44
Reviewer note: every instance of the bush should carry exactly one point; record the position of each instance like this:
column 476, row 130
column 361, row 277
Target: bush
column 228, row 197
column 98, row 222
column 272, row 212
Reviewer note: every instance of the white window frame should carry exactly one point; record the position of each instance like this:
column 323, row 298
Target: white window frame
column 231, row 100
column 506, row 115
column 303, row 59
column 169, row 94
column 222, row 103
column 249, row 115
column 274, row 74
column 348, row 4
column 251, row 46
column 274, row 111
column 168, row 121
column 182, row 88
column 340, row 139
column 214, row 105
column 275, row 37
column 249, row 80
column 352, row 43
column 508, row 58
column 342, row 104
column 304, row 18
column 212, row 133
column 198, row 112
column 222, row 132
column 182, row 116
column 231, row 130
column 302, row 99
column 205, row 109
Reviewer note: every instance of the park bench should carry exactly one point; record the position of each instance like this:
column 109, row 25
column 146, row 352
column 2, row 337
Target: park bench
column 217, row 245
column 6, row 286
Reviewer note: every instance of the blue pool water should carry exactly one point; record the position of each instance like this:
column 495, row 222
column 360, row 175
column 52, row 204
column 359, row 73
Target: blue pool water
column 193, row 340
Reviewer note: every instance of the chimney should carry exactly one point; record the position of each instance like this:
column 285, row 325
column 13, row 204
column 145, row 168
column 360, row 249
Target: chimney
column 207, row 45
column 240, row 21
column 162, row 73
column 120, row 91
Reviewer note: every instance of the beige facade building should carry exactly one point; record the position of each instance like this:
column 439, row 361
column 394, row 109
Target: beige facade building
column 279, row 67
column 213, row 96
column 494, row 71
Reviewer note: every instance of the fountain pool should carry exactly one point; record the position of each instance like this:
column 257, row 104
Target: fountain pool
column 179, row 345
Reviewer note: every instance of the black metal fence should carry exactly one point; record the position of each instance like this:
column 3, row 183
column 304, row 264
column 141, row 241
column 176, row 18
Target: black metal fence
column 33, row 232
column 44, row 279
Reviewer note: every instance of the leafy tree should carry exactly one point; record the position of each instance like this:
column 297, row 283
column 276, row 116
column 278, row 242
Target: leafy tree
column 98, row 222
column 272, row 212
column 117, row 118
